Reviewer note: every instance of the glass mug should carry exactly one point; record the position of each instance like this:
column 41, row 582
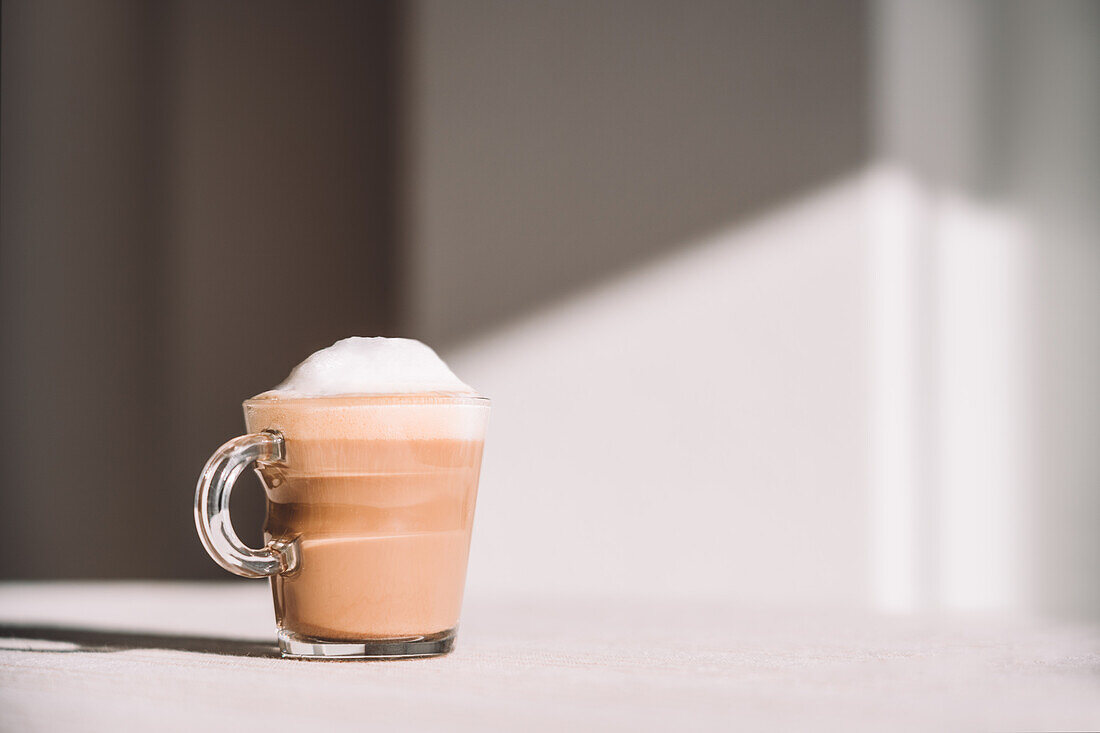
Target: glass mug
column 370, row 505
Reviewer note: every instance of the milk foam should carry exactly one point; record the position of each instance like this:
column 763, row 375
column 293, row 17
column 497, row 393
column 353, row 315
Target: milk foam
column 379, row 365
column 370, row 389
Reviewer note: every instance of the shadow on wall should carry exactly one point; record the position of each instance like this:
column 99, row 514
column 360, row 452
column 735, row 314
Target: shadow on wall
column 195, row 196
column 555, row 144
column 886, row 392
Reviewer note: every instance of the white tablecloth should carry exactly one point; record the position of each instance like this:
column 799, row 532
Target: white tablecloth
column 199, row 656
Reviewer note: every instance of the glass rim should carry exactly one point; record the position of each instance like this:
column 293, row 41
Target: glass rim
column 371, row 399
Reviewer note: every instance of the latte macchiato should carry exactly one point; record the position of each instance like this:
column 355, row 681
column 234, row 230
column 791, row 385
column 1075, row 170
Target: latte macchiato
column 371, row 496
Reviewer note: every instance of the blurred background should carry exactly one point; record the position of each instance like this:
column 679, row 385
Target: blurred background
column 778, row 302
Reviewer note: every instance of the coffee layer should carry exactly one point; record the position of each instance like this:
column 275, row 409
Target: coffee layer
column 383, row 531
column 363, row 417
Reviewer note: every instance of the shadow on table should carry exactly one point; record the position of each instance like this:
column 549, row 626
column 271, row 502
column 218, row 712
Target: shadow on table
column 91, row 640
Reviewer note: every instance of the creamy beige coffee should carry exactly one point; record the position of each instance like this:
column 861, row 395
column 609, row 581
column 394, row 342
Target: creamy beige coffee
column 369, row 453
column 377, row 489
column 378, row 493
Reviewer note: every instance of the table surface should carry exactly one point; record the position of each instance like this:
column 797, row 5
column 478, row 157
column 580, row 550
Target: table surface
column 200, row 656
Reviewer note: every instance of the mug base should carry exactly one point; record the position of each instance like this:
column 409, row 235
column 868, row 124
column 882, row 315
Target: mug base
column 299, row 646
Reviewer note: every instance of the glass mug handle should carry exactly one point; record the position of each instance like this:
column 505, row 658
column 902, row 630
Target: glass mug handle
column 212, row 508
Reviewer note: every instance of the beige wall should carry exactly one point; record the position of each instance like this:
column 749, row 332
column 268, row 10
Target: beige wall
column 696, row 427
column 638, row 226
column 992, row 109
